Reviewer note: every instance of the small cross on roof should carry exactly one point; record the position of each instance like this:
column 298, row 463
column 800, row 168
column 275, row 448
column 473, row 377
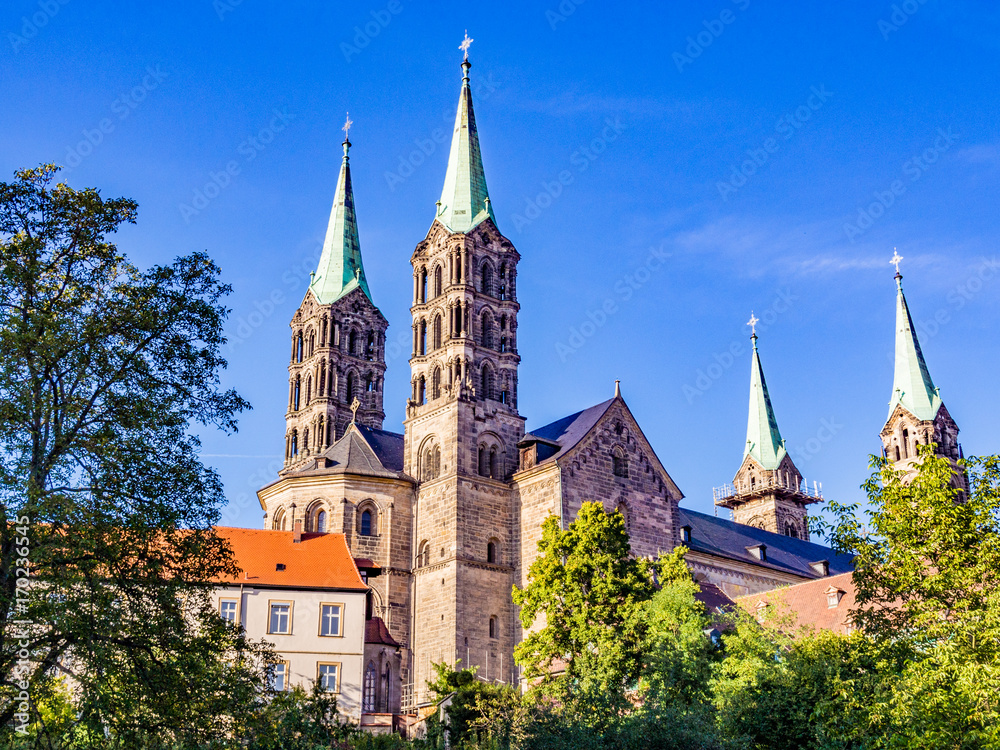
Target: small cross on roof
column 896, row 259
column 464, row 46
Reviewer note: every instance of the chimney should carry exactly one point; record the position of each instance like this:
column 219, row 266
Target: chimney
column 297, row 533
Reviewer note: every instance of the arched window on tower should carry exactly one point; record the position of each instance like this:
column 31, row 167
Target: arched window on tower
column 297, row 393
column 906, row 443
column 486, row 329
column 438, row 286
column 352, row 342
column 494, row 469
column 486, row 383
column 486, row 279
column 370, row 347
column 436, row 333
column 436, row 383
column 790, row 530
column 321, row 380
column 352, row 387
column 423, row 554
column 483, row 461
column 421, row 395
column 494, row 627
column 309, row 388
column 298, row 348
column 278, row 520
column 295, row 442
column 502, row 282
column 423, row 285
column 493, row 552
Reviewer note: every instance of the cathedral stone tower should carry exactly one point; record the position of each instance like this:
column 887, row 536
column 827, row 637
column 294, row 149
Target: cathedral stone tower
column 917, row 416
column 768, row 491
column 462, row 425
column 338, row 341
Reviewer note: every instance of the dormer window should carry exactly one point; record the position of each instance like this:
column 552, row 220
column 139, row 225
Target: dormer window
column 685, row 534
column 759, row 551
column 821, row 568
column 833, row 597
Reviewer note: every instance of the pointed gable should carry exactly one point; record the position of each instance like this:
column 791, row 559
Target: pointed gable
column 340, row 270
column 464, row 198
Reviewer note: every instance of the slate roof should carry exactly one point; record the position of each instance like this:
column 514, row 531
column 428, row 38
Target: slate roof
column 725, row 538
column 565, row 433
column 361, row 450
column 318, row 561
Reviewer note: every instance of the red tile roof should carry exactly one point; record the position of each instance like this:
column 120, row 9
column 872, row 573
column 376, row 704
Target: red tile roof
column 320, row 561
column 809, row 604
column 377, row 632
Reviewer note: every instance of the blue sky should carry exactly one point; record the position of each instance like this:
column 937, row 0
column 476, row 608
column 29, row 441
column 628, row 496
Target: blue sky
column 719, row 157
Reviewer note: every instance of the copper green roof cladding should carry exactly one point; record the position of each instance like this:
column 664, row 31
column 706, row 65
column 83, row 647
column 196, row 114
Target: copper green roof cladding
column 464, row 200
column 764, row 443
column 340, row 270
column 912, row 387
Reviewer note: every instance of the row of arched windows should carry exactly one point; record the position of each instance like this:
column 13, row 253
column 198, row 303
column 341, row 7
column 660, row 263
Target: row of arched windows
column 499, row 284
column 361, row 344
column 493, row 334
column 490, row 461
column 303, row 389
column 487, row 387
column 317, row 518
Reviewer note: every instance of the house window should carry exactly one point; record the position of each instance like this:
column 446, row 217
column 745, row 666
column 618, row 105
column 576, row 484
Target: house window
column 494, row 627
column 329, row 677
column 368, row 692
column 366, row 523
column 280, row 621
column 227, row 610
column 279, row 676
column 330, row 618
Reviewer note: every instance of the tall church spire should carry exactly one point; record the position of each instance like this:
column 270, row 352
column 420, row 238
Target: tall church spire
column 764, row 443
column 340, row 270
column 912, row 387
column 465, row 199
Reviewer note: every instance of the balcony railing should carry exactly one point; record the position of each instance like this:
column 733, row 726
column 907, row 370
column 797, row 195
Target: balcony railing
column 779, row 480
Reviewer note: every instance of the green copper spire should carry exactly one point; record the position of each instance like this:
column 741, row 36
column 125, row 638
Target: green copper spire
column 464, row 200
column 340, row 270
column 912, row 386
column 764, row 443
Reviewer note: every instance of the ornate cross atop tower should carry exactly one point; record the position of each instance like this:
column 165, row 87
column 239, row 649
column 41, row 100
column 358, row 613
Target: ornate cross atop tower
column 347, row 127
column 466, row 43
column 896, row 260
column 753, row 324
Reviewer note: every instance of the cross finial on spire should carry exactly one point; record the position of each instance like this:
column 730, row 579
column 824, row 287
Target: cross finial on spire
column 754, row 320
column 464, row 46
column 896, row 260
column 347, row 126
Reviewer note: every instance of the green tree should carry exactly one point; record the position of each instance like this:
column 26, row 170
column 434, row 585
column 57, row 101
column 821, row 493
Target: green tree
column 927, row 572
column 104, row 368
column 478, row 713
column 588, row 593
